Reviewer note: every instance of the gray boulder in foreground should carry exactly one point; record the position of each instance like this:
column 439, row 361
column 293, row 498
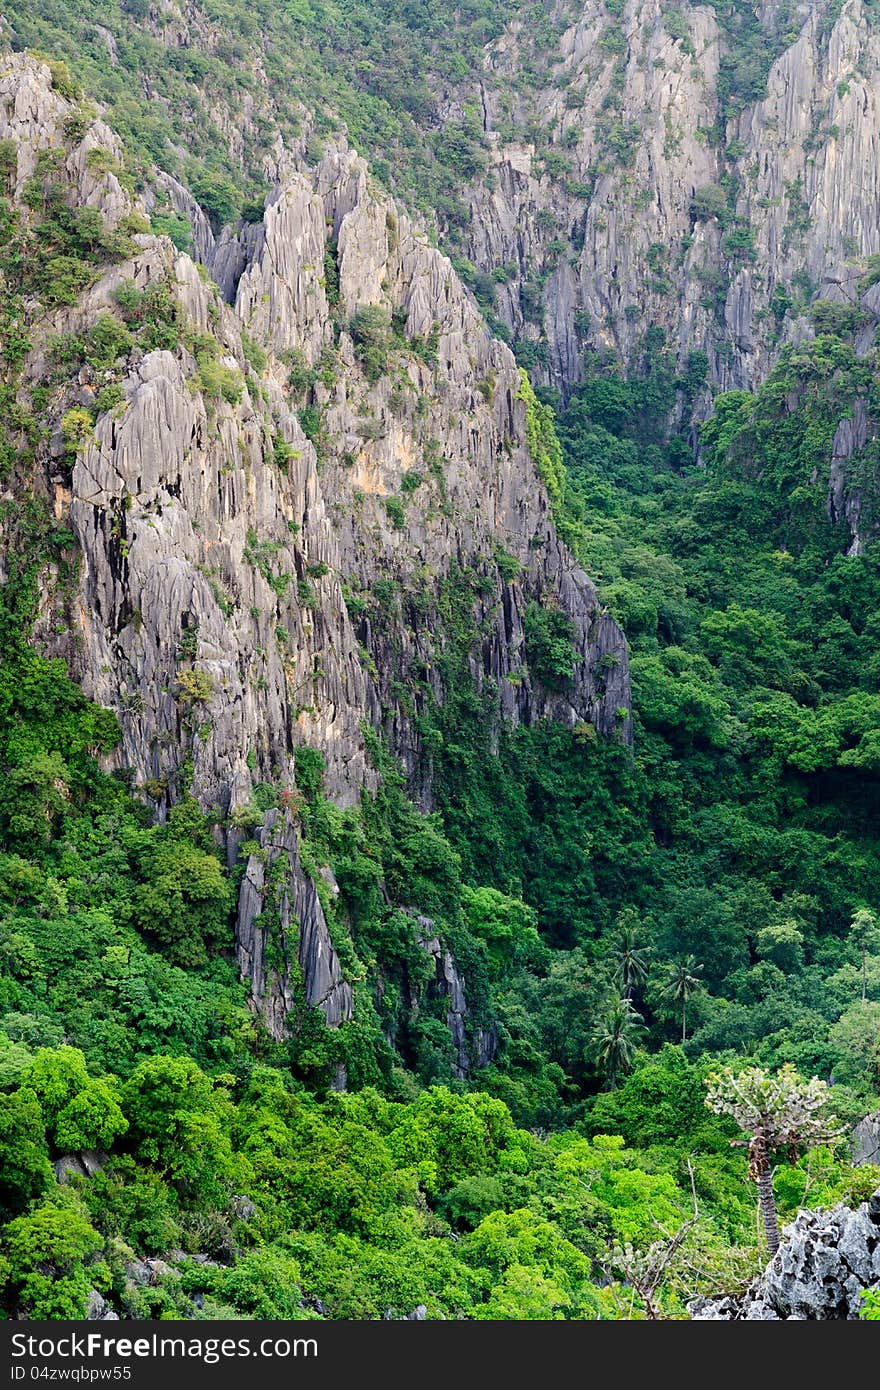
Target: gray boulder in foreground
column 826, row 1260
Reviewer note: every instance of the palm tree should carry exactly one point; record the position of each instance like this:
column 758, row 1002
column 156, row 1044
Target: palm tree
column 682, row 980
column 630, row 957
column 781, row 1112
column 615, row 1037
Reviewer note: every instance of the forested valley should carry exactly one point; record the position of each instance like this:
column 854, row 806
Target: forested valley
column 439, row 748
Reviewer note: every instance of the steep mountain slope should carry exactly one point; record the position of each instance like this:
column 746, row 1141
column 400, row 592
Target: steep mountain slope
column 674, row 175
column 332, row 847
column 602, row 167
column 246, row 589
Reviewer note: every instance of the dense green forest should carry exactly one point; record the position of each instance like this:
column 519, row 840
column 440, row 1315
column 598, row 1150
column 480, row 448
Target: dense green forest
column 628, row 920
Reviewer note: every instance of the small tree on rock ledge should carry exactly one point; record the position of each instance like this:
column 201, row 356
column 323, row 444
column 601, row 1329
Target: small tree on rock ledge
column 781, row 1112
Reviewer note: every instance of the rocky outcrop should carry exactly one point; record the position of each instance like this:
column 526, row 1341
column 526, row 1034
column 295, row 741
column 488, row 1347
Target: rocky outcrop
column 269, row 564
column 866, row 1140
column 281, row 921
column 33, row 116
column 852, row 483
column 98, row 1309
column 471, row 1048
column 825, row 1263
column 82, row 1165
column 592, row 224
column 439, row 439
column 167, row 188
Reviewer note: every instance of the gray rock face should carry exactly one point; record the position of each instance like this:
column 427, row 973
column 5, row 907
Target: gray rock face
column 866, row 1140
column 448, row 984
column 845, row 495
column 98, row 1309
column 225, row 608
column 827, row 1259
column 280, row 919
column 146, row 1272
column 81, row 1165
column 33, row 115
column 184, row 204
column 635, row 137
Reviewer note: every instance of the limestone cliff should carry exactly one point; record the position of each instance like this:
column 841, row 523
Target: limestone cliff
column 269, row 518
column 644, row 195
column 705, row 170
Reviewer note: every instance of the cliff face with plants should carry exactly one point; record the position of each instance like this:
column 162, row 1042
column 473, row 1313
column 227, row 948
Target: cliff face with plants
column 597, row 171
column 602, row 166
column 259, row 574
column 439, row 695
column 706, row 169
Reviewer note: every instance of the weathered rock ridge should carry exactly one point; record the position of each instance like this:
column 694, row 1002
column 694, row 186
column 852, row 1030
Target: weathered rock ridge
column 608, row 240
column 291, row 927
column 246, row 590
column 826, row 1261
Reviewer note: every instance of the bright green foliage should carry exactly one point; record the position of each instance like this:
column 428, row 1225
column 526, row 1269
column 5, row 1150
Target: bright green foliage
column 91, row 1120
column 506, row 925
column 43, row 1262
column 24, row 1157
column 180, row 1120
column 446, row 1136
column 55, row 1077
column 221, row 381
column 264, row 1283
column 634, row 1199
column 78, row 1111
column 131, row 1200
column 871, row 1307
column 660, row 1103
column 184, row 900
column 542, row 443
column 532, row 1270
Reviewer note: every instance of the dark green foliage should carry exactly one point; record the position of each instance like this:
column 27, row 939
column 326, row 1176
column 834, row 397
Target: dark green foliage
column 371, row 331
column 396, row 512
column 710, row 200
column 48, row 1259
column 753, row 681
column 24, row 1156
column 107, row 341
column 550, row 650
column 154, row 315
column 184, row 901
column 218, row 196
column 253, row 353
column 749, row 49
column 175, row 227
